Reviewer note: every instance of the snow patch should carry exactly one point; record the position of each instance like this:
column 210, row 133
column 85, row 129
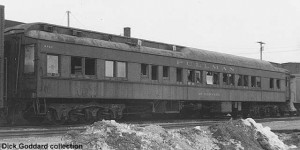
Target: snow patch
column 271, row 137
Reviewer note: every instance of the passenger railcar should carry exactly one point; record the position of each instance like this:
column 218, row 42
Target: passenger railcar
column 67, row 74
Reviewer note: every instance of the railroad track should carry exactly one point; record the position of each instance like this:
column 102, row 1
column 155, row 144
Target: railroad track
column 26, row 132
column 15, row 132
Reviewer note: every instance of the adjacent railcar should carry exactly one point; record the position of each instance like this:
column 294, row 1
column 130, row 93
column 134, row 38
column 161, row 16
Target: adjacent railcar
column 67, row 74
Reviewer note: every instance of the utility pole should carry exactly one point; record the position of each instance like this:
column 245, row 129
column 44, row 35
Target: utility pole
column 68, row 13
column 261, row 48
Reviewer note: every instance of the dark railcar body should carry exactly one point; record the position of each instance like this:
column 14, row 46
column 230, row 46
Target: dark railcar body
column 30, row 48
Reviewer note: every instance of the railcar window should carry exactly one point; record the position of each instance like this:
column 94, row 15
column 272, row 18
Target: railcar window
column 90, row 66
column 240, row 81
column 271, row 83
column 231, row 79
column 29, row 59
column 166, row 71
column 253, row 81
column 246, row 78
column 278, row 83
column 109, row 68
column 198, row 75
column 179, row 74
column 209, row 78
column 212, row 78
column 52, row 65
column 258, row 82
column 191, row 76
column 225, row 79
column 228, row 79
column 121, row 69
column 76, row 65
column 144, row 69
column 216, row 78
column 154, row 72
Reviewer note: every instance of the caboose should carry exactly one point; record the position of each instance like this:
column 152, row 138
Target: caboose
column 66, row 74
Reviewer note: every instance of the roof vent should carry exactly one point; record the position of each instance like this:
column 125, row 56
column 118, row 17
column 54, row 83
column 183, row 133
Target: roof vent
column 47, row 28
column 174, row 48
column 76, row 33
column 127, row 31
column 139, row 42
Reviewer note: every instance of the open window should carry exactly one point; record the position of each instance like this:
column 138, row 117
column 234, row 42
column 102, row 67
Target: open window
column 166, row 71
column 179, row 74
column 271, row 83
column 154, row 72
column 52, row 65
column 90, row 66
column 253, row 81
column 76, row 65
column 198, row 75
column 225, row 79
column 191, row 76
column 240, row 81
column 258, row 82
column 216, row 78
column 231, row 79
column 246, row 80
column 144, row 69
column 278, row 83
column 29, row 59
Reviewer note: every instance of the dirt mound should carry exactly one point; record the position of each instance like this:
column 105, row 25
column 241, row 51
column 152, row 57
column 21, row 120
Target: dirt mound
column 111, row 135
column 246, row 134
column 232, row 135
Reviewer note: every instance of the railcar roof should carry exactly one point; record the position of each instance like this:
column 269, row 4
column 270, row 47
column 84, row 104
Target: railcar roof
column 31, row 30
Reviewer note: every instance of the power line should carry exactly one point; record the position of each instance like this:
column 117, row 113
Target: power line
column 78, row 20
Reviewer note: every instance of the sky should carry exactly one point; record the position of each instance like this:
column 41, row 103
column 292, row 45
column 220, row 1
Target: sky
column 226, row 26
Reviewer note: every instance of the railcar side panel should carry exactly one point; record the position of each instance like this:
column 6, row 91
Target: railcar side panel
column 53, row 88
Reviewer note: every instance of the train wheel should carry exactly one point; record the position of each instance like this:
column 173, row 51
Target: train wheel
column 88, row 117
column 76, row 117
column 104, row 115
column 52, row 117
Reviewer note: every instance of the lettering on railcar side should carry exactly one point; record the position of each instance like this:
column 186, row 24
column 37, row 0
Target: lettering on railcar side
column 208, row 94
column 48, row 46
column 205, row 66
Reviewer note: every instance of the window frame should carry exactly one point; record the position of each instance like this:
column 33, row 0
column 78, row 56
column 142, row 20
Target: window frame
column 154, row 67
column 34, row 59
column 179, row 71
column 215, row 77
column 201, row 77
column 95, row 66
column 167, row 68
column 117, row 69
column 191, row 76
column 258, row 82
column 105, row 69
column 278, row 84
column 82, row 66
column 146, row 69
column 58, row 65
column 253, row 82
column 271, row 83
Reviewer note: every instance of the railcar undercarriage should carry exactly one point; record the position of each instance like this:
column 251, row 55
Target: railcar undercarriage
column 70, row 111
